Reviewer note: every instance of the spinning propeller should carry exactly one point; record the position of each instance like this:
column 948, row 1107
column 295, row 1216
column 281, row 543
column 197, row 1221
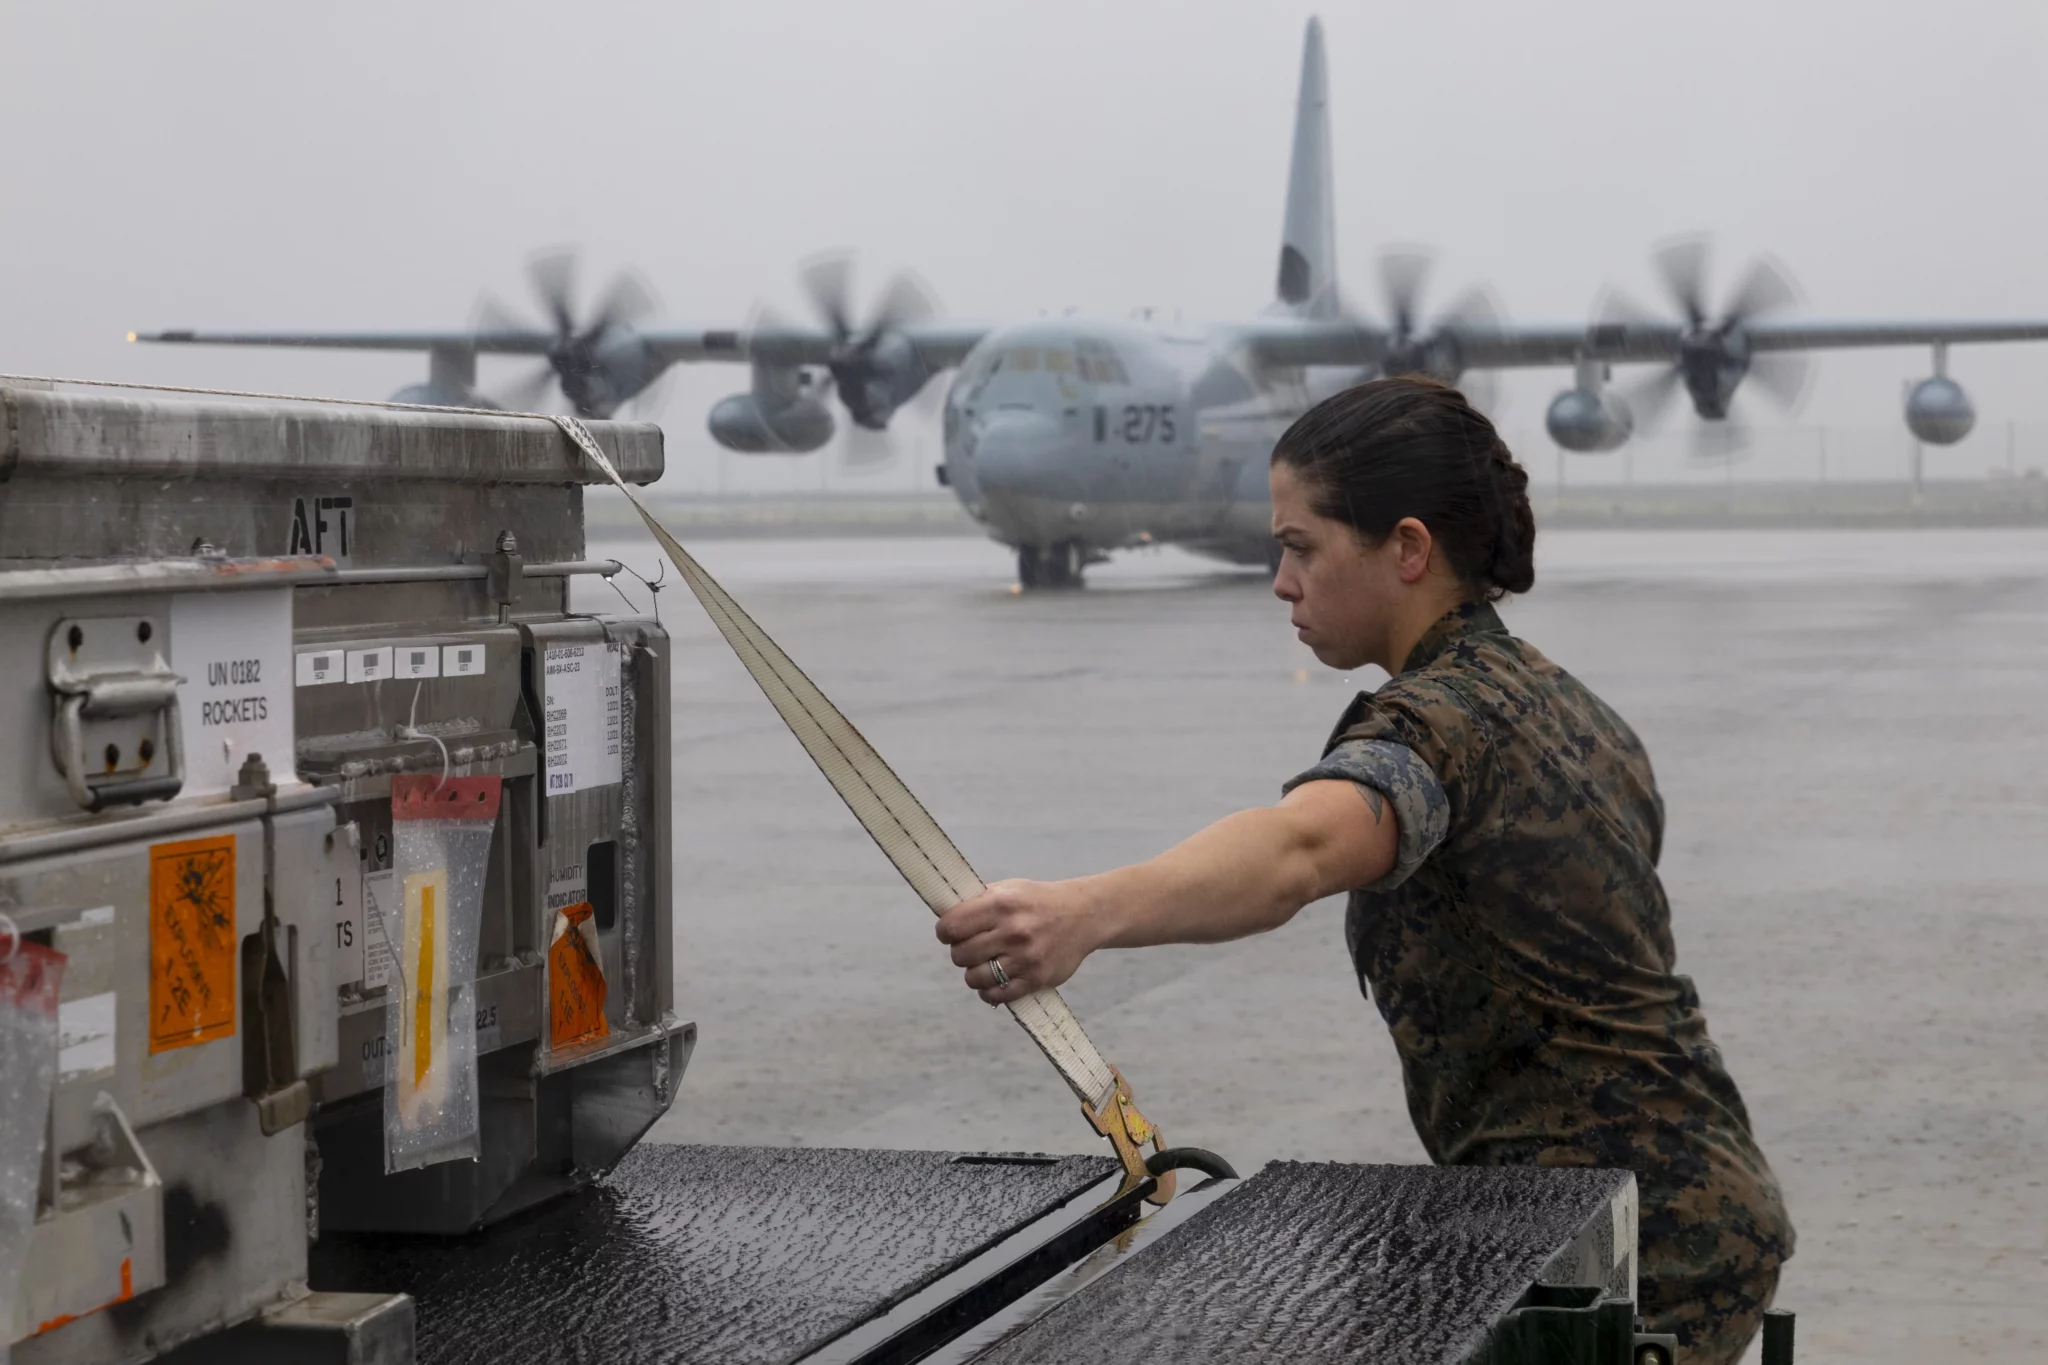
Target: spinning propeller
column 874, row 368
column 1414, row 348
column 1714, row 355
column 599, row 363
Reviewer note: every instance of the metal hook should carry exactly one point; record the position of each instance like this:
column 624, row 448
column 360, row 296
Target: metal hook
column 653, row 585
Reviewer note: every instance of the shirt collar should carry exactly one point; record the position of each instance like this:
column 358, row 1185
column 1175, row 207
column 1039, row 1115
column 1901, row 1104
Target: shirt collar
column 1473, row 618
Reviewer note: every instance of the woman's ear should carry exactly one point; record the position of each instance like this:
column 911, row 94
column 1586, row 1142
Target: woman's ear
column 1412, row 544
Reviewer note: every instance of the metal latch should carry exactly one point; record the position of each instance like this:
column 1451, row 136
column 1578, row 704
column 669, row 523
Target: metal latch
column 98, row 1239
column 270, row 1044
column 115, row 732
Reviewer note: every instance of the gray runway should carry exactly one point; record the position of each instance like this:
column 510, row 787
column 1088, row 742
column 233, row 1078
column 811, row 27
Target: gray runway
column 1848, row 728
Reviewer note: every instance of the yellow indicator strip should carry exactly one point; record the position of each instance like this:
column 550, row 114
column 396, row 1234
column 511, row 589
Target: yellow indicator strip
column 423, row 1001
column 425, row 1034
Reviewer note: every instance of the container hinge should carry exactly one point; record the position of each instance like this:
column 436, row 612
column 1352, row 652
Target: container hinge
column 115, row 731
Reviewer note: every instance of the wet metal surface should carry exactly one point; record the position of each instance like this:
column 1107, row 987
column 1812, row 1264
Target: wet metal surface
column 729, row 1254
column 1312, row 1262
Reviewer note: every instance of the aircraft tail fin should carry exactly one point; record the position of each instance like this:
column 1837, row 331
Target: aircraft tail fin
column 1308, row 237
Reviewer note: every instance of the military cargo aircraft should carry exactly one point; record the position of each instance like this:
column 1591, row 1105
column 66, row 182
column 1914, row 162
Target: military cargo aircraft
column 1068, row 439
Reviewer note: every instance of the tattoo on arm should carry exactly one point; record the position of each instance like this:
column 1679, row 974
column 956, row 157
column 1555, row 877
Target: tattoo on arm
column 1373, row 799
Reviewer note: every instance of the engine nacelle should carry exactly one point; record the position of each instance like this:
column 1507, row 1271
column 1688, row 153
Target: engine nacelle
column 889, row 374
column 1588, row 421
column 1939, row 412
column 743, row 423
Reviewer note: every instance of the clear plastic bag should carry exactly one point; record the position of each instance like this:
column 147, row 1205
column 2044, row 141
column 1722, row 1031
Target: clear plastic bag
column 442, row 836
column 29, row 978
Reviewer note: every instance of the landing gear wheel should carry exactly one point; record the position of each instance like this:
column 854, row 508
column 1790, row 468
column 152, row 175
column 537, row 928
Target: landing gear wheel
column 1050, row 566
column 1060, row 565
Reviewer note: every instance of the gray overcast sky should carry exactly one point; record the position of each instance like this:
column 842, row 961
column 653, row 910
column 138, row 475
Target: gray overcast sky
column 380, row 165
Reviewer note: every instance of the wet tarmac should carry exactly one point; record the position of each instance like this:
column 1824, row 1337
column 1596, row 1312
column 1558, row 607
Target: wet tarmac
column 1848, row 728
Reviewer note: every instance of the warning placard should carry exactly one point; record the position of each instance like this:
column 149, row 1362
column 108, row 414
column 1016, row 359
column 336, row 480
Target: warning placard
column 582, row 717
column 191, row 942
column 576, row 985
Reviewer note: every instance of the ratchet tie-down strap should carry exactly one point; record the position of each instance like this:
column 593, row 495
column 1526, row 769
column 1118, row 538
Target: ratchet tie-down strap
column 905, row 831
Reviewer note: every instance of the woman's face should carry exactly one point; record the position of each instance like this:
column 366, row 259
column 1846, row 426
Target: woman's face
column 1349, row 599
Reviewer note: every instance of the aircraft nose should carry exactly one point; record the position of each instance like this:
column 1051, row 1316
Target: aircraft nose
column 1014, row 451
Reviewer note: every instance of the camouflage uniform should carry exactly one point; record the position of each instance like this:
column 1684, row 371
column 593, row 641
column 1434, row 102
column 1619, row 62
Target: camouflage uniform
column 1521, row 954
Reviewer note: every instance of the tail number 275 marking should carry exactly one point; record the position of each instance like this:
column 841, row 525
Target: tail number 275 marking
column 1145, row 423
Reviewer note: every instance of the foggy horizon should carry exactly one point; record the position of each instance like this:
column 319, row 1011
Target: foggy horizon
column 224, row 165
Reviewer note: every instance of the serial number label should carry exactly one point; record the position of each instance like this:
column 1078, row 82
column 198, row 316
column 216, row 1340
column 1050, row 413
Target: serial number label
column 582, row 717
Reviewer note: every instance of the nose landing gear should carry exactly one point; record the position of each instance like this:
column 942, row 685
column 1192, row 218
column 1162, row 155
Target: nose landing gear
column 1050, row 566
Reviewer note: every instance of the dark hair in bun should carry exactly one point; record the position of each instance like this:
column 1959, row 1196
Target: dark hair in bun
column 1412, row 447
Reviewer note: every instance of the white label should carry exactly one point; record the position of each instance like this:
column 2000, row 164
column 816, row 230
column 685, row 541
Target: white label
column 567, row 886
column 85, row 1036
column 235, row 652
column 580, row 716
column 417, row 661
column 382, row 900
column 459, row 661
column 369, row 665
column 324, row 526
column 319, row 666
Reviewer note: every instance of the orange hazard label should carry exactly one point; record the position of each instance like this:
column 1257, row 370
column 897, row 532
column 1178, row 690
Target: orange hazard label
column 575, row 982
column 191, row 942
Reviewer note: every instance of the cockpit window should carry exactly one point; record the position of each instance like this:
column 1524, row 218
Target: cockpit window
column 979, row 367
column 1093, row 361
column 1099, row 364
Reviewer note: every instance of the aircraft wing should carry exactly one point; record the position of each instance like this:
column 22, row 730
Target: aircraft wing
column 939, row 345
column 1827, row 336
column 1343, row 341
column 1338, row 341
column 504, row 343
column 1659, row 341
column 1291, row 342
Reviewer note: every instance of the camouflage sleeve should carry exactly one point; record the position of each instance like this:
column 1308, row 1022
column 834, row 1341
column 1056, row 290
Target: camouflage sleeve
column 1396, row 772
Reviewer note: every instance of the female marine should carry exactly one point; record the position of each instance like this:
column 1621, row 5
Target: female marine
column 1497, row 827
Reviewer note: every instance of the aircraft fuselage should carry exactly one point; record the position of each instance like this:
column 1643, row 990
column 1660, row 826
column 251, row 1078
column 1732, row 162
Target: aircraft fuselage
column 1100, row 436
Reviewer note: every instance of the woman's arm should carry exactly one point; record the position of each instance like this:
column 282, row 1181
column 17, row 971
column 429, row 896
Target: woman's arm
column 1246, row 873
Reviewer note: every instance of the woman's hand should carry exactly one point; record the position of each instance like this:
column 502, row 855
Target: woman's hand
column 1245, row 874
column 1039, row 930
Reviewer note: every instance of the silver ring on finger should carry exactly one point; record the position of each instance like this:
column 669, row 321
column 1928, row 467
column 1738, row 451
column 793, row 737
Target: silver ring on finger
column 995, row 965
